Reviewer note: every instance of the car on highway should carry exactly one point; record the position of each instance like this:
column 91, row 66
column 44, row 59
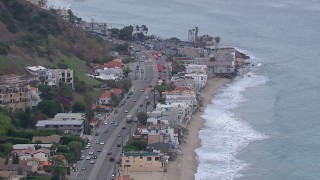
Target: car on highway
column 119, row 145
column 87, row 147
column 112, row 122
column 105, row 122
column 111, row 159
column 112, row 176
column 135, row 100
column 83, row 168
column 109, row 153
column 124, row 127
column 82, row 157
column 115, row 124
column 126, row 111
column 99, row 150
column 91, row 153
column 141, row 105
column 101, row 143
column 94, row 157
column 128, row 97
column 119, row 161
column 105, row 131
column 115, row 111
column 96, row 134
column 88, row 158
column 97, row 142
column 123, row 103
column 142, row 90
column 91, row 162
column 119, row 135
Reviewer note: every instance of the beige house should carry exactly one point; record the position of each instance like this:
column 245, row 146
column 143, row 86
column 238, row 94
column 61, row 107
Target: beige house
column 142, row 161
column 14, row 93
column 155, row 138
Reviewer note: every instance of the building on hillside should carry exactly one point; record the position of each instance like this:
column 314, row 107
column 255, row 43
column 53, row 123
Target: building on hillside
column 200, row 79
column 66, row 126
column 108, row 73
column 34, row 70
column 105, row 98
column 34, row 96
column 47, row 139
column 52, row 77
column 142, row 161
column 14, row 92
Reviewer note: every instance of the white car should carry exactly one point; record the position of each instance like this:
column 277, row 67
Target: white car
column 115, row 124
column 91, row 153
column 88, row 158
column 112, row 122
column 105, row 123
column 126, row 111
column 112, row 176
column 141, row 90
column 101, row 143
column 91, row 162
column 135, row 100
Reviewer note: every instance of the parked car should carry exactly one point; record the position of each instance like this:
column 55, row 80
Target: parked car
column 91, row 162
column 115, row 111
column 111, row 159
column 119, row 145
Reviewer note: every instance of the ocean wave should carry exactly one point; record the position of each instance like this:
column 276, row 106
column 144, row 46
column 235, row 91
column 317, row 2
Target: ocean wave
column 225, row 134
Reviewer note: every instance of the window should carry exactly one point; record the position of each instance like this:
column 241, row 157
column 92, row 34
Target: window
column 149, row 158
column 157, row 158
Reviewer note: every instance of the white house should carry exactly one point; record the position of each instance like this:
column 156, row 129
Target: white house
column 34, row 70
column 200, row 79
column 108, row 73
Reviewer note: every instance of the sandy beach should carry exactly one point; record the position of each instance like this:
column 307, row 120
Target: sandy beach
column 185, row 166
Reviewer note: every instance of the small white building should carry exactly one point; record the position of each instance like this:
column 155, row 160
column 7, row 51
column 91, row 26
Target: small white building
column 108, row 73
column 69, row 116
column 66, row 126
column 196, row 68
column 34, row 70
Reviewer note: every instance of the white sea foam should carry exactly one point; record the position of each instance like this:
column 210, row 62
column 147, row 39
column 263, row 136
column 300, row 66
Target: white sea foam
column 225, row 134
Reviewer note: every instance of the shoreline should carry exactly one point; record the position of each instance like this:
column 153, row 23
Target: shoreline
column 185, row 165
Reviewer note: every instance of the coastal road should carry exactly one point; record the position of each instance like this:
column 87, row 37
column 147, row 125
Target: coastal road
column 103, row 168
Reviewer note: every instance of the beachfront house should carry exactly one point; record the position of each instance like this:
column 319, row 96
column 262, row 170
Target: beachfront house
column 143, row 161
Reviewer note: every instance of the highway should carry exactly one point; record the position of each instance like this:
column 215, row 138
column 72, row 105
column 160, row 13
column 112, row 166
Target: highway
column 102, row 167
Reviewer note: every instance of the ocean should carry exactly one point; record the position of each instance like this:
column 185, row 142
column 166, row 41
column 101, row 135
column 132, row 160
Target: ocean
column 262, row 127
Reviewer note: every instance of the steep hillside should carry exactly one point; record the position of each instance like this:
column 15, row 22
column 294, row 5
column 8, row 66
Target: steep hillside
column 34, row 36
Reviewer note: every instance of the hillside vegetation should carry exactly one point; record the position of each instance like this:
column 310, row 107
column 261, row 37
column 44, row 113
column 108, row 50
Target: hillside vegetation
column 34, row 36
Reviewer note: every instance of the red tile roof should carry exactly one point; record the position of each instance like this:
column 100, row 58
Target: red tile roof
column 113, row 64
column 105, row 95
column 117, row 91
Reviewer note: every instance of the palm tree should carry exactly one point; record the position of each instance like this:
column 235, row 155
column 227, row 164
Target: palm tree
column 196, row 33
column 217, row 41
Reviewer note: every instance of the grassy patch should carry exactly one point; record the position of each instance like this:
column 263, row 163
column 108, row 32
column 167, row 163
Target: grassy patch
column 80, row 69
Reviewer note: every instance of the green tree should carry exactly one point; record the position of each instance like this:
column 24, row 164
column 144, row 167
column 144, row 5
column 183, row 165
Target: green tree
column 78, row 106
column 50, row 107
column 75, row 146
column 89, row 113
column 142, row 117
column 126, row 70
column 5, row 124
column 126, row 33
column 5, row 149
column 114, row 99
column 178, row 66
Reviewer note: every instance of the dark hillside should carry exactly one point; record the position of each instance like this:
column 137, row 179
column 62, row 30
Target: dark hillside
column 34, row 36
